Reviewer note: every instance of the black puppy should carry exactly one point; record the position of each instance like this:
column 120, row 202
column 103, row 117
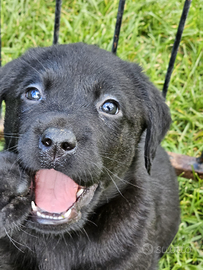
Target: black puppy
column 84, row 184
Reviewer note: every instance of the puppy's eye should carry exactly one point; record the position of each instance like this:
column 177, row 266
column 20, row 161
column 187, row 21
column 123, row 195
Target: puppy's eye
column 33, row 93
column 110, row 107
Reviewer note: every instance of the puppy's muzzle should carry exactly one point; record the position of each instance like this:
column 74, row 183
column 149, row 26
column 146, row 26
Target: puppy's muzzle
column 57, row 142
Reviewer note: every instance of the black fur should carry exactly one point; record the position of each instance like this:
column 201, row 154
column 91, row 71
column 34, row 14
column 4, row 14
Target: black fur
column 134, row 215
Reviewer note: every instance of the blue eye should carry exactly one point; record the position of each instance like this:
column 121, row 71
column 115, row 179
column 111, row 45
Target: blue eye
column 110, row 107
column 33, row 93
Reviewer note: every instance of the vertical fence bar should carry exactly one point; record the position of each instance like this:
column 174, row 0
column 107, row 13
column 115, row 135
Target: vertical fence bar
column 118, row 26
column 176, row 45
column 57, row 21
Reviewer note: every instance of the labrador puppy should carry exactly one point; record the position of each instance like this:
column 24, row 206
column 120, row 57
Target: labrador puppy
column 84, row 184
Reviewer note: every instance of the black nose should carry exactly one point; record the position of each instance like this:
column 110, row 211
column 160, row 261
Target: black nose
column 58, row 142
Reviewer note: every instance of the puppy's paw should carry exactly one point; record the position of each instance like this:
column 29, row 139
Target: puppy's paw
column 14, row 190
column 13, row 181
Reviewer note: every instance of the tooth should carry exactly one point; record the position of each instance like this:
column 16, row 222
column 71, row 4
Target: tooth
column 39, row 214
column 67, row 214
column 80, row 192
column 34, row 207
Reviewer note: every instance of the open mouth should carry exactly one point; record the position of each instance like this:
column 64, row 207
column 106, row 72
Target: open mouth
column 58, row 199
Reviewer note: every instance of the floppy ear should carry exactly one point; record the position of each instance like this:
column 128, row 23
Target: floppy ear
column 157, row 117
column 157, row 123
column 9, row 75
column 4, row 81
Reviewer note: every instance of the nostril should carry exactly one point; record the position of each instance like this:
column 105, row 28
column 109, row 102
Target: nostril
column 67, row 146
column 46, row 142
column 58, row 141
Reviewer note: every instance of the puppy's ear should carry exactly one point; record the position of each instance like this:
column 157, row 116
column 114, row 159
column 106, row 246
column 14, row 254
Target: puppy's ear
column 156, row 113
column 157, row 123
column 8, row 76
column 8, row 82
column 4, row 80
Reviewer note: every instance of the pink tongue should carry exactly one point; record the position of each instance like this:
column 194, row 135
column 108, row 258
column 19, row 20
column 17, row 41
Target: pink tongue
column 54, row 191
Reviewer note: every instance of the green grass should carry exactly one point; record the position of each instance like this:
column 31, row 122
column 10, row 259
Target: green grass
column 147, row 37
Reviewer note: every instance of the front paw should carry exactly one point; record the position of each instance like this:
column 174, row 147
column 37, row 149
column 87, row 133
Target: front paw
column 14, row 192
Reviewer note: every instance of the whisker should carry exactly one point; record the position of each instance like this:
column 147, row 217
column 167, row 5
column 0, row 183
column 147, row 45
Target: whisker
column 10, row 148
column 11, row 136
column 11, row 133
column 83, row 229
column 112, row 159
column 28, row 64
column 88, row 220
column 13, row 241
column 20, row 229
column 23, row 226
column 13, row 165
column 123, row 180
column 115, row 184
column 40, row 63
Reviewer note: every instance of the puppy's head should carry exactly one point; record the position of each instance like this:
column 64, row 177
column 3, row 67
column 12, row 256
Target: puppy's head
column 74, row 117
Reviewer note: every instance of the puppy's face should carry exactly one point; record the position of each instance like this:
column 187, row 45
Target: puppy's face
column 79, row 113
